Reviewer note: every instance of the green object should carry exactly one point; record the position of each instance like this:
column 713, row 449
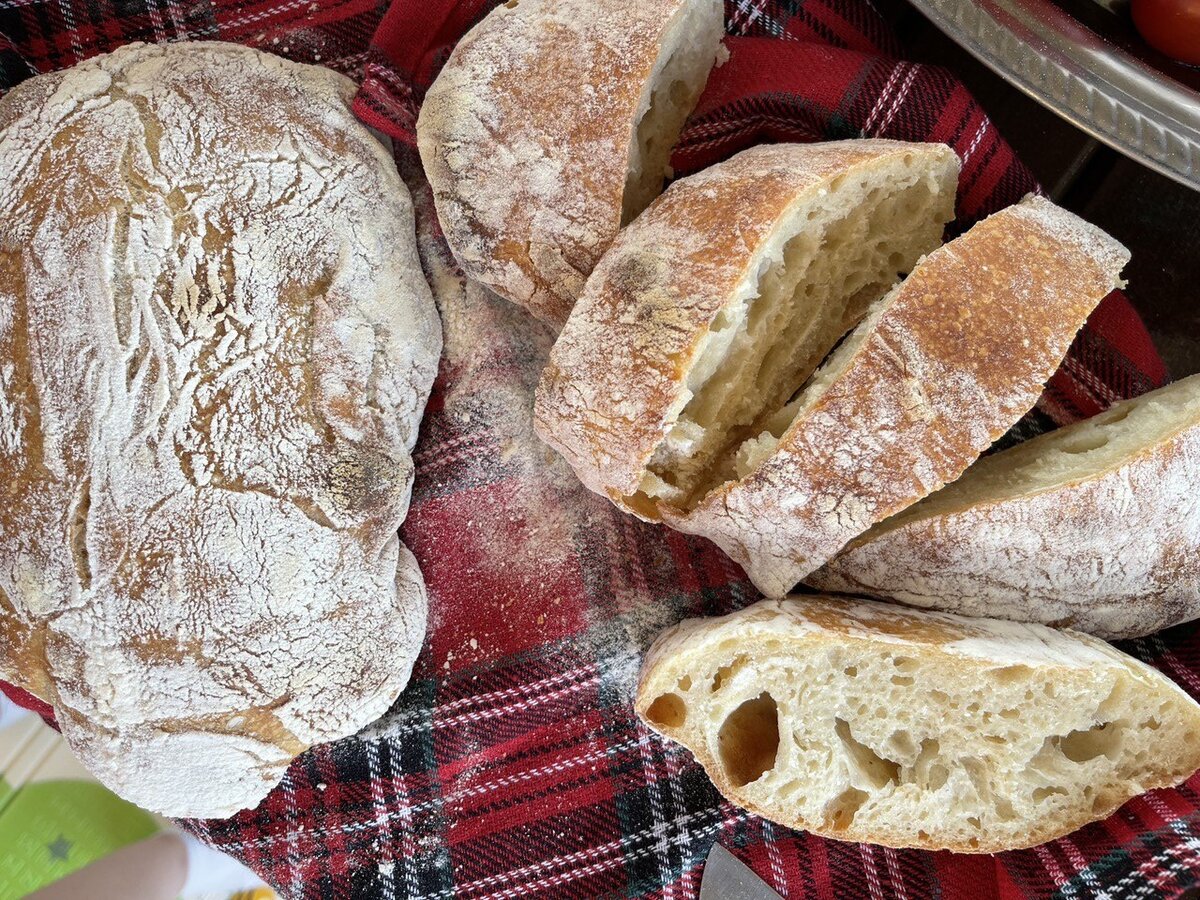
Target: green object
column 48, row 829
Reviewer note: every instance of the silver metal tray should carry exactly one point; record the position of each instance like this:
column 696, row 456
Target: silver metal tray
column 1083, row 60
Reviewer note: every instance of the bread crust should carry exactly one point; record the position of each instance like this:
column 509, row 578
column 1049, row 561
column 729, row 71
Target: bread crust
column 816, row 625
column 216, row 343
column 956, row 355
column 616, row 377
column 525, row 139
column 1116, row 555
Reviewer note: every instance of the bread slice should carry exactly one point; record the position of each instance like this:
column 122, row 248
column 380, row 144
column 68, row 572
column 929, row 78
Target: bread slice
column 870, row 722
column 1095, row 527
column 551, row 125
column 721, row 300
column 681, row 386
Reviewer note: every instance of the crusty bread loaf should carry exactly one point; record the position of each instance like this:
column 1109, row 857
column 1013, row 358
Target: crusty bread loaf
column 1094, row 527
column 870, row 722
column 551, row 125
column 722, row 299
column 683, row 388
column 215, row 346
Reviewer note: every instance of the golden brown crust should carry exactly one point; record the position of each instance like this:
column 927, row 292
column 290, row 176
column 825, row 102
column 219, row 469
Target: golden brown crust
column 957, row 354
column 616, row 375
column 525, row 139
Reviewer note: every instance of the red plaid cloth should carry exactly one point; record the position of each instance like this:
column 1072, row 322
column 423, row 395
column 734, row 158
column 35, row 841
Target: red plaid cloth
column 513, row 766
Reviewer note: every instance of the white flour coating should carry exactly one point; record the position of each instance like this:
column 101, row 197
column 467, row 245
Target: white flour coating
column 1117, row 554
column 215, row 347
column 525, row 137
column 943, row 366
column 495, row 355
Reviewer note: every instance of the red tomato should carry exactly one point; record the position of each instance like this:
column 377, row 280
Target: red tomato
column 1172, row 26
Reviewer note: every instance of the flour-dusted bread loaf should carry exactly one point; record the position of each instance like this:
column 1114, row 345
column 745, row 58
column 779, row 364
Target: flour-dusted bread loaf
column 551, row 125
column 870, row 722
column 721, row 301
column 681, row 386
column 215, row 347
column 1095, row 527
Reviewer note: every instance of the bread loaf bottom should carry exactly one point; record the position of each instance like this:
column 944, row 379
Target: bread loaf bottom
column 1095, row 526
column 868, row 722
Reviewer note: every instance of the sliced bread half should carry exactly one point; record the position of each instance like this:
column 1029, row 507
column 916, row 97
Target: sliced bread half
column 870, row 722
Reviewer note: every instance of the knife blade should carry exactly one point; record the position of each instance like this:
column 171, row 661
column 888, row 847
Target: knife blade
column 728, row 878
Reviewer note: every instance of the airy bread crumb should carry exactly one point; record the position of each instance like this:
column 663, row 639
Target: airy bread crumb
column 868, row 722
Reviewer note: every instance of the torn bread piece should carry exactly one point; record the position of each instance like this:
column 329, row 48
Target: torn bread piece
column 1095, row 527
column 551, row 125
column 869, row 722
column 721, row 301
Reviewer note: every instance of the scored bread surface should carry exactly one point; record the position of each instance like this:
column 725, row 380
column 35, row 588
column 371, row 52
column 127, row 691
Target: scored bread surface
column 944, row 365
column 216, row 343
column 1095, row 527
column 617, row 379
column 869, row 722
column 526, row 134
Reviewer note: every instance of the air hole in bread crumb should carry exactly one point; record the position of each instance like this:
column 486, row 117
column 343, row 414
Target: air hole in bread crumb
column 1040, row 794
column 840, row 812
column 721, row 678
column 878, row 770
column 1101, row 740
column 850, row 671
column 1085, row 443
column 902, row 680
column 668, row 710
column 685, row 683
column 749, row 740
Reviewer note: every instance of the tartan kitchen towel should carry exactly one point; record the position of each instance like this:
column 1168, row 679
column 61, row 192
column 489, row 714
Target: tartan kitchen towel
column 512, row 766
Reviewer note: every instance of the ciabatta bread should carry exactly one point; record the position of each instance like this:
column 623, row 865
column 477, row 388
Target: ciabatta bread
column 680, row 387
column 722, row 299
column 216, row 343
column 870, row 722
column 551, row 125
column 1095, row 527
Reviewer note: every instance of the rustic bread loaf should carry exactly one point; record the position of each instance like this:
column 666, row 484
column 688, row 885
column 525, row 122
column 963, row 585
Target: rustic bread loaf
column 215, row 347
column 869, row 722
column 683, row 386
column 1095, row 527
column 722, row 299
column 551, row 125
